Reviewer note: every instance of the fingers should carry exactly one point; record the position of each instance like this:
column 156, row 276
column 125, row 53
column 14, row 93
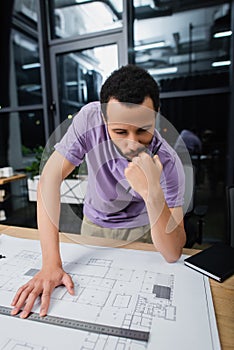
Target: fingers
column 45, row 299
column 29, row 302
column 135, row 160
column 67, row 281
column 141, row 158
column 145, row 156
column 48, row 288
column 20, row 298
column 26, row 295
column 156, row 158
column 16, row 297
column 26, row 299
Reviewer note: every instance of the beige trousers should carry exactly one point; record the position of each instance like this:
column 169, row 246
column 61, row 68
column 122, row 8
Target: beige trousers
column 141, row 234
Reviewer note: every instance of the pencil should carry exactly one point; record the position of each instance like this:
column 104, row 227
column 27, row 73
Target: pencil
column 154, row 154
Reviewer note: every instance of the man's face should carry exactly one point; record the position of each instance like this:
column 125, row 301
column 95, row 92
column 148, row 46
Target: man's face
column 131, row 127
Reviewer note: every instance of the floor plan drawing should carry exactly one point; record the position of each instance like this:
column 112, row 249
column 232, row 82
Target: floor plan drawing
column 14, row 344
column 132, row 290
column 130, row 297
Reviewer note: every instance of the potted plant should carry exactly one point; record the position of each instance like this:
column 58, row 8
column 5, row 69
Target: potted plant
column 73, row 188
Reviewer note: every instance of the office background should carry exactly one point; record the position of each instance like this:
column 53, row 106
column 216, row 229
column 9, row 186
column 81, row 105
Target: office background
column 55, row 55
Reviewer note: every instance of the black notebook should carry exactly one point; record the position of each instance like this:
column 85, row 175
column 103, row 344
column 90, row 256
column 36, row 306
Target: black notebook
column 216, row 262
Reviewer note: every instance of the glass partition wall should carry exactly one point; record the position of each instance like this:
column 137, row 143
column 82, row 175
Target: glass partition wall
column 186, row 41
column 186, row 46
column 75, row 17
column 80, row 76
column 22, row 100
column 59, row 56
column 60, row 52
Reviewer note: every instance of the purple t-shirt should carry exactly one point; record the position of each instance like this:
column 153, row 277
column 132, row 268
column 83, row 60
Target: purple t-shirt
column 107, row 201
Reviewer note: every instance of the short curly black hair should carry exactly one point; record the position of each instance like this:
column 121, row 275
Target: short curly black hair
column 129, row 84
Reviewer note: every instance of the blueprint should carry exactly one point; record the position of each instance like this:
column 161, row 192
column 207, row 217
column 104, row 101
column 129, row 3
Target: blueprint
column 117, row 287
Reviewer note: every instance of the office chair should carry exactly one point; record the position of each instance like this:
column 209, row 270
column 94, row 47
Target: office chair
column 230, row 214
column 193, row 213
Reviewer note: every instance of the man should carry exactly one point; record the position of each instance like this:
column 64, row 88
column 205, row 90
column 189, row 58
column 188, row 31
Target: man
column 130, row 192
column 191, row 140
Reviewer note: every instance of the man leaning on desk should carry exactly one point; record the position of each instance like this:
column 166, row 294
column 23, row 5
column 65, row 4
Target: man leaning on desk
column 131, row 192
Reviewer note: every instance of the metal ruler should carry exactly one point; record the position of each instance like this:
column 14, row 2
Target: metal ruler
column 81, row 325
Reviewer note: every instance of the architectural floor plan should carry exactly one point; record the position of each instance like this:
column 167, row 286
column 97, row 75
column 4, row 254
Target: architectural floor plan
column 116, row 287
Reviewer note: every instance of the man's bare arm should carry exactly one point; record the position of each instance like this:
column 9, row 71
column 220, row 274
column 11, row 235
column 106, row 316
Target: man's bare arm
column 167, row 229
column 48, row 210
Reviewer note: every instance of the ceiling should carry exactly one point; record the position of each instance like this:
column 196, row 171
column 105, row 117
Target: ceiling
column 184, row 35
column 182, row 29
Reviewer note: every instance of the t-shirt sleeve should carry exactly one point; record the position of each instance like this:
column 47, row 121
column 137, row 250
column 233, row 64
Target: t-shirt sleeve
column 73, row 144
column 173, row 182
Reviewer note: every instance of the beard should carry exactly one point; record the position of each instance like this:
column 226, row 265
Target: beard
column 131, row 154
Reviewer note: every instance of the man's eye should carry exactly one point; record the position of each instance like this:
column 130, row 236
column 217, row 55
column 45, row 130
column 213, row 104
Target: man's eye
column 120, row 132
column 141, row 131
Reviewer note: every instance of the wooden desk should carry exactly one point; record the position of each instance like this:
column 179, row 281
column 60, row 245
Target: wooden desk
column 222, row 293
column 5, row 180
column 4, row 183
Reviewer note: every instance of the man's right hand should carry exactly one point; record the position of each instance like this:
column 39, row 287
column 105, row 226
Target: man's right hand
column 42, row 284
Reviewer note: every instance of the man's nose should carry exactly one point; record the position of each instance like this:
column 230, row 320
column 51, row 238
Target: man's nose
column 133, row 143
column 133, row 138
